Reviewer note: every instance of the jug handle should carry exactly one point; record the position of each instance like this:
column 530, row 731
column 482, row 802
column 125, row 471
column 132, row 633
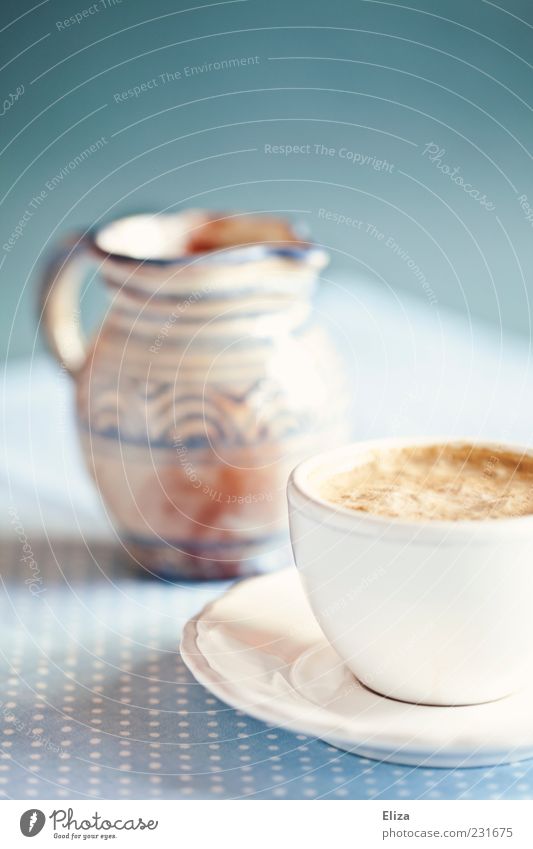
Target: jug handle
column 59, row 303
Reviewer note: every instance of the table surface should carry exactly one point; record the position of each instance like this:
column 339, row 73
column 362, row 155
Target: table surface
column 95, row 700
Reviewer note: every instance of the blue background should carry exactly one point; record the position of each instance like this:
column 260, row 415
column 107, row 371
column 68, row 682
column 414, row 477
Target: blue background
column 378, row 78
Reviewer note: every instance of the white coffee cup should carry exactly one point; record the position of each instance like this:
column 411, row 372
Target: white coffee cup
column 433, row 612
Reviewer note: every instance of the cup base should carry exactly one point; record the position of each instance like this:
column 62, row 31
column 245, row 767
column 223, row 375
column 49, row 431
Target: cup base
column 460, row 703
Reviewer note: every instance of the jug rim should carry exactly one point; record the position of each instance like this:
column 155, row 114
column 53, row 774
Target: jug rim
column 296, row 247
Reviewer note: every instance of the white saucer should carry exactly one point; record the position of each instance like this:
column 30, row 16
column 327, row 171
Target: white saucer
column 259, row 649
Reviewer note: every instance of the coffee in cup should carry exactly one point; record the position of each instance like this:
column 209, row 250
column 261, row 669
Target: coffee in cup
column 416, row 556
column 447, row 482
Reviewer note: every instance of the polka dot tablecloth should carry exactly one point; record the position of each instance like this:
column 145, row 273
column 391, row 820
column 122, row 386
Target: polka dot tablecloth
column 97, row 703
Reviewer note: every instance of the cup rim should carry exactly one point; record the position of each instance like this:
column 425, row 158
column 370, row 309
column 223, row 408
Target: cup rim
column 302, row 496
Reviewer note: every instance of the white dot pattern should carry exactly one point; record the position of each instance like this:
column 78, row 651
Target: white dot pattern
column 99, row 704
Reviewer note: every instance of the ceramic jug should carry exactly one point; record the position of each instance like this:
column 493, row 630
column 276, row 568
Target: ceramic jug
column 207, row 381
